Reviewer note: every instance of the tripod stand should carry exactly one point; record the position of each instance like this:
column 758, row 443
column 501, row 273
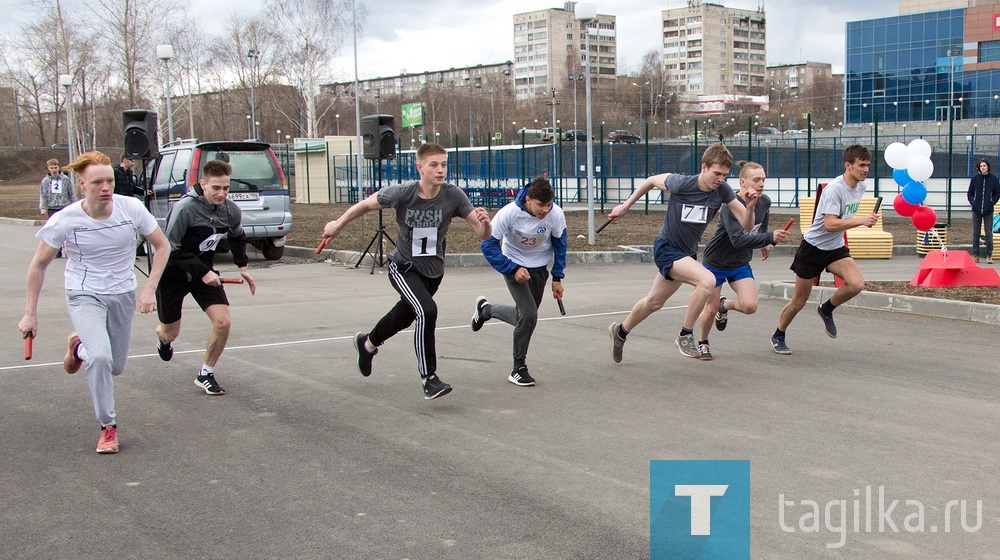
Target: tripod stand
column 379, row 239
column 144, row 248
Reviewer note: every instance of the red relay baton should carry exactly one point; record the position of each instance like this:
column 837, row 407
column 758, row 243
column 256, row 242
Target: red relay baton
column 28, row 339
column 322, row 244
column 789, row 224
column 232, row 280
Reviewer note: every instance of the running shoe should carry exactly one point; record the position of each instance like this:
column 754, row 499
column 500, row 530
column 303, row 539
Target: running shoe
column 779, row 345
column 72, row 363
column 109, row 440
column 831, row 328
column 521, row 377
column 721, row 316
column 434, row 387
column 477, row 316
column 687, row 346
column 617, row 343
column 208, row 384
column 164, row 349
column 364, row 356
column 704, row 352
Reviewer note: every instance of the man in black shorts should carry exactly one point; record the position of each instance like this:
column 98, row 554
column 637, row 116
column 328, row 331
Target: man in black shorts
column 195, row 225
column 823, row 246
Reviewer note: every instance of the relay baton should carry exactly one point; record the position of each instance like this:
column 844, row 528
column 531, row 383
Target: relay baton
column 562, row 308
column 605, row 224
column 28, row 338
column 232, row 280
column 322, row 244
column 878, row 203
column 789, row 224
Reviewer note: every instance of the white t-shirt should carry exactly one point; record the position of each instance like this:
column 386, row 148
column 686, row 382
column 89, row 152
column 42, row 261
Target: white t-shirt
column 527, row 240
column 841, row 200
column 100, row 253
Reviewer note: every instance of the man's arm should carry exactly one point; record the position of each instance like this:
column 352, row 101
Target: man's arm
column 650, row 183
column 333, row 229
column 479, row 219
column 44, row 255
column 832, row 222
column 161, row 254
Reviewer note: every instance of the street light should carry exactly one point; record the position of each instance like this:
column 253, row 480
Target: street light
column 781, row 102
column 576, row 164
column 471, row 84
column 640, row 104
column 586, row 12
column 895, row 106
column 338, row 123
column 249, row 127
column 66, row 81
column 165, row 53
column 254, row 56
column 278, row 135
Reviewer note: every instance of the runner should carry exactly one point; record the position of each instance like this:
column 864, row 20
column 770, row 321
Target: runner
column 694, row 200
column 533, row 231
column 729, row 252
column 823, row 246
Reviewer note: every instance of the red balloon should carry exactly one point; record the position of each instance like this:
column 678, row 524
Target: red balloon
column 902, row 207
column 924, row 218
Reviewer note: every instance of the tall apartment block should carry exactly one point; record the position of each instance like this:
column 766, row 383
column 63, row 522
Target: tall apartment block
column 549, row 46
column 709, row 49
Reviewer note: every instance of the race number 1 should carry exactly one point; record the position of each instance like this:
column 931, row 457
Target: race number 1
column 424, row 242
column 694, row 214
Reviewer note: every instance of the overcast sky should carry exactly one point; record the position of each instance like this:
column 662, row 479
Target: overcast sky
column 404, row 35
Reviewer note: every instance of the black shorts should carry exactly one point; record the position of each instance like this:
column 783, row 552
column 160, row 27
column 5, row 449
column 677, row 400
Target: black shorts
column 809, row 261
column 170, row 297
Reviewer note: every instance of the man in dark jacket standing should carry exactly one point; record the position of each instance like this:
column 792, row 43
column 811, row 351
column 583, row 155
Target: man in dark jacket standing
column 984, row 192
column 125, row 184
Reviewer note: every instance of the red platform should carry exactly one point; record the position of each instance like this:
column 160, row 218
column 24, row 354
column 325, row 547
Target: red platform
column 953, row 268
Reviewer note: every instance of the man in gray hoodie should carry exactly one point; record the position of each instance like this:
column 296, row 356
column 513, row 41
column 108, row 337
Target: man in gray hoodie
column 984, row 192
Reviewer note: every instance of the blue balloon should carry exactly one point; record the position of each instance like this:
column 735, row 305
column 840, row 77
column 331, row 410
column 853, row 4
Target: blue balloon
column 914, row 193
column 901, row 177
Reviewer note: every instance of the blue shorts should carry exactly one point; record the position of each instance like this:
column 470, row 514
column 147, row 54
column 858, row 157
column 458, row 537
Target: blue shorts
column 665, row 254
column 723, row 276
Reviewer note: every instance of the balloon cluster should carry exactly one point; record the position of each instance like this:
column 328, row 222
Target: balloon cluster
column 911, row 166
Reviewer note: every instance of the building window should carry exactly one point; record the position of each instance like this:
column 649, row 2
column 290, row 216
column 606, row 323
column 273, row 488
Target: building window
column 989, row 51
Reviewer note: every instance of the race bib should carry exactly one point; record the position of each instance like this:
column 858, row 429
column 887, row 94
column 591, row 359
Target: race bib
column 531, row 240
column 210, row 242
column 424, row 242
column 694, row 214
column 55, row 187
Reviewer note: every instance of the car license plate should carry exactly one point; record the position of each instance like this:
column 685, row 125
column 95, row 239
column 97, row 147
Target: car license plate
column 244, row 196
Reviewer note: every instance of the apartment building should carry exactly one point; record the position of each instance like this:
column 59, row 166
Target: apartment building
column 549, row 46
column 496, row 76
column 709, row 49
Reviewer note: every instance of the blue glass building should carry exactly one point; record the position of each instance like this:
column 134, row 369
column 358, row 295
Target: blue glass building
column 908, row 67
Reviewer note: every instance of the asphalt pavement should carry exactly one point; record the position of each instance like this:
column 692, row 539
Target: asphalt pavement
column 305, row 458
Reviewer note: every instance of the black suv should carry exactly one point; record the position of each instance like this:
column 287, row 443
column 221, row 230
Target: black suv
column 257, row 185
column 623, row 136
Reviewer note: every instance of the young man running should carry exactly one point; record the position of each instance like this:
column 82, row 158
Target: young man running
column 424, row 210
column 823, row 246
column 99, row 233
column 533, row 231
column 729, row 252
column 694, row 200
column 195, row 225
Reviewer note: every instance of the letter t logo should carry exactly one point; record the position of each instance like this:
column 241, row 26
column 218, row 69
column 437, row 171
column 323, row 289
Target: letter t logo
column 701, row 504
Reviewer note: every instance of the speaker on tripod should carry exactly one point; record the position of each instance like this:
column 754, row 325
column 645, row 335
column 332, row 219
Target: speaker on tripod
column 378, row 138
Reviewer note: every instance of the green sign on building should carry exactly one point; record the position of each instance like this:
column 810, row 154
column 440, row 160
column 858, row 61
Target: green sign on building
column 413, row 114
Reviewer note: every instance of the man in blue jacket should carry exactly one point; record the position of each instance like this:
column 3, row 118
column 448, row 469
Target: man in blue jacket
column 533, row 231
column 984, row 192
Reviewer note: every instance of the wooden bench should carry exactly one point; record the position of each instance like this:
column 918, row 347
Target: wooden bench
column 865, row 243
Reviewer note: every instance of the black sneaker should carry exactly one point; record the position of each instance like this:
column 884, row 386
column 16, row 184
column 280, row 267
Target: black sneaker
column 704, row 351
column 721, row 316
column 477, row 316
column 831, row 329
column 208, row 384
column 617, row 343
column 364, row 356
column 165, row 350
column 434, row 387
column 521, row 377
column 779, row 345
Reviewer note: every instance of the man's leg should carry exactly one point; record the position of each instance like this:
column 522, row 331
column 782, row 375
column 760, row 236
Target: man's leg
column 803, row 287
column 417, row 306
column 221, row 323
column 746, row 299
column 853, row 284
column 988, row 227
column 977, row 226
column 89, row 316
column 690, row 271
column 707, row 318
column 658, row 294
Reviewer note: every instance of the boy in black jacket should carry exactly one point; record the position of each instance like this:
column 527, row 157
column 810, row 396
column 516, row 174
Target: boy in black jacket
column 195, row 225
column 984, row 192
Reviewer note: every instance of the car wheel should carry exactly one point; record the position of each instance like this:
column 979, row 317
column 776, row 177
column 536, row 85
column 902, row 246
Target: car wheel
column 269, row 251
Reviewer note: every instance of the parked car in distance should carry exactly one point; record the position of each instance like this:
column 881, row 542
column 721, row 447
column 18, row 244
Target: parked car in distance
column 623, row 136
column 550, row 134
column 258, row 186
column 701, row 135
column 767, row 130
column 741, row 133
column 576, row 135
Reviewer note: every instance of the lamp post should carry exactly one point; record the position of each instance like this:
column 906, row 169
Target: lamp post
column 278, row 136
column 337, row 116
column 586, row 12
column 66, row 81
column 165, row 53
column 895, row 107
column 576, row 165
column 640, row 103
column 254, row 56
column 249, row 127
column 781, row 101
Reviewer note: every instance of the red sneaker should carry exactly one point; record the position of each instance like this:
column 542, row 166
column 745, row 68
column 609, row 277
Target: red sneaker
column 71, row 363
column 109, row 440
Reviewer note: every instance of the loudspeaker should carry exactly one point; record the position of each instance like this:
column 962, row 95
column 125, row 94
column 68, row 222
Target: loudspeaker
column 378, row 137
column 140, row 134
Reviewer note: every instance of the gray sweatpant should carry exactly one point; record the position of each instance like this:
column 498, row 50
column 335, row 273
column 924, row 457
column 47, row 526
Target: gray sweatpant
column 104, row 324
column 523, row 315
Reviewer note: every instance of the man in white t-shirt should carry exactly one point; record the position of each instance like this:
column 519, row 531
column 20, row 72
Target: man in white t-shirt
column 98, row 235
column 533, row 231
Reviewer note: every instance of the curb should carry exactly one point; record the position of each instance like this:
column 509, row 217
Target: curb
column 20, row 222
column 894, row 303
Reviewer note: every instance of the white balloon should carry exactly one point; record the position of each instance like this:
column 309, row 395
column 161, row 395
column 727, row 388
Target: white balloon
column 897, row 155
column 919, row 147
column 920, row 169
